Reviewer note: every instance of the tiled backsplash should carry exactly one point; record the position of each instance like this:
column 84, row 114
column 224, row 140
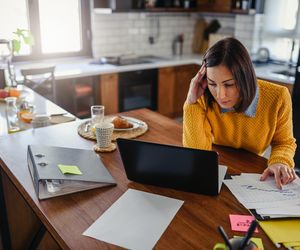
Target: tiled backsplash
column 126, row 33
column 129, row 33
column 248, row 30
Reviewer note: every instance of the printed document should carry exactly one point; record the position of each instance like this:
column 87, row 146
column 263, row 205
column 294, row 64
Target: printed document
column 254, row 194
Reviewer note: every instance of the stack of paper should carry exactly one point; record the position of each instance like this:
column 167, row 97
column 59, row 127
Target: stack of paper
column 264, row 197
column 266, row 201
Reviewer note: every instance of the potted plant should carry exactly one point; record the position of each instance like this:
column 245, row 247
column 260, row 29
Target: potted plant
column 21, row 36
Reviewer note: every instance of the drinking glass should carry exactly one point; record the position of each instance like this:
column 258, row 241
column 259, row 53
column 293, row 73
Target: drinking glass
column 97, row 114
column 12, row 115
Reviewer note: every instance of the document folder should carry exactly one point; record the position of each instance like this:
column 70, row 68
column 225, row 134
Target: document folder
column 49, row 181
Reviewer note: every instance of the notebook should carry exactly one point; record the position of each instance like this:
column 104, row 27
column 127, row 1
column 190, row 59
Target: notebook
column 186, row 169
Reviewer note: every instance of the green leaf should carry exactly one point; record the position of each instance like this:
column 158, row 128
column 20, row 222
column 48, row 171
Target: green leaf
column 16, row 45
column 28, row 40
column 22, row 35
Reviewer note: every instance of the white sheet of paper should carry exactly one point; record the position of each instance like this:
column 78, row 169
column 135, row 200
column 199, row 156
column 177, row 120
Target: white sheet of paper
column 222, row 172
column 136, row 220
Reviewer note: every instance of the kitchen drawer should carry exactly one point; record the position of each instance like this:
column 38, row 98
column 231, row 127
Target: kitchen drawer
column 173, row 87
column 108, row 93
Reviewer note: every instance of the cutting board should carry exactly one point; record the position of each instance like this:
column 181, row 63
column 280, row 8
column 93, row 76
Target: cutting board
column 199, row 45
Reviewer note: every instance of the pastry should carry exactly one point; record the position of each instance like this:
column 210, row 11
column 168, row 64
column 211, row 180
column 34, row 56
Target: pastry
column 121, row 123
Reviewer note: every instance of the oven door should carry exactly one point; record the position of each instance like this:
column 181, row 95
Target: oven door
column 138, row 89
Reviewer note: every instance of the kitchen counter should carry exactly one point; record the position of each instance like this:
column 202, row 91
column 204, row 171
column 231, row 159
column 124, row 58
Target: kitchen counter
column 81, row 67
column 267, row 72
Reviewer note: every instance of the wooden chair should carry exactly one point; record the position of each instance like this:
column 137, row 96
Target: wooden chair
column 41, row 80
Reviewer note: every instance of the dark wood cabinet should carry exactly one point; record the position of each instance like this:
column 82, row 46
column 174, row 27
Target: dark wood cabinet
column 165, row 5
column 214, row 6
column 173, row 86
column 219, row 6
column 231, row 6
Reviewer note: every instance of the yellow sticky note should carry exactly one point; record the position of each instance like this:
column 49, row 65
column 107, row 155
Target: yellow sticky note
column 69, row 169
column 258, row 242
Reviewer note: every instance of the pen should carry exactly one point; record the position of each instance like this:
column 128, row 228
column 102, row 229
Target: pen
column 249, row 234
column 224, row 236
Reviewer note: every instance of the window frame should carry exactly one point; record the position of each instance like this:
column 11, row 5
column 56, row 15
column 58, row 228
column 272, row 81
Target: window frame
column 34, row 27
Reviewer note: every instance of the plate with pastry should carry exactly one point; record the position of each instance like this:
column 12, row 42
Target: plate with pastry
column 125, row 123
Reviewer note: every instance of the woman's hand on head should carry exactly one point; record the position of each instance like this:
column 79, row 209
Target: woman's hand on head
column 197, row 86
column 282, row 174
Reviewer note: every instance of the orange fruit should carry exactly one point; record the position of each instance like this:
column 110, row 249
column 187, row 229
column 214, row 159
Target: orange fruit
column 14, row 92
column 27, row 117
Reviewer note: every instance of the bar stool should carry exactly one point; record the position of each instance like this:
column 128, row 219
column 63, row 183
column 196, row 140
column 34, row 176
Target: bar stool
column 41, row 80
column 83, row 96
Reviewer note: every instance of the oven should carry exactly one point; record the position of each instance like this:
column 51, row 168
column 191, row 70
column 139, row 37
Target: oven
column 138, row 89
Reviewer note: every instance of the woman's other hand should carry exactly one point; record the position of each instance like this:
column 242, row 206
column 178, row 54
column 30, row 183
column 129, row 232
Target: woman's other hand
column 197, row 86
column 282, row 174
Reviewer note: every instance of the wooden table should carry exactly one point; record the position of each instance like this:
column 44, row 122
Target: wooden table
column 67, row 217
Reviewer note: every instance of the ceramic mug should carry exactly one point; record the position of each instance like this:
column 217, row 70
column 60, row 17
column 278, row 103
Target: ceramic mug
column 104, row 133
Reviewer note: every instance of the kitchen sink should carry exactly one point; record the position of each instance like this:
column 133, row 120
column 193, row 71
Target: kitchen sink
column 130, row 61
column 153, row 58
column 121, row 61
column 286, row 72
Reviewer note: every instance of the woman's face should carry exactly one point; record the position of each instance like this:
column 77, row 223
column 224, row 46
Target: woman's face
column 222, row 86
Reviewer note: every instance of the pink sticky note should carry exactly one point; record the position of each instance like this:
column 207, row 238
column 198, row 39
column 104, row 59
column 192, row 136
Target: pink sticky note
column 241, row 223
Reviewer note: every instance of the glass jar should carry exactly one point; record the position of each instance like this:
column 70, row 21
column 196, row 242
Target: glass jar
column 25, row 107
column 12, row 115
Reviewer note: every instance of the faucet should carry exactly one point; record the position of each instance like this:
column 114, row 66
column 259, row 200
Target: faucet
column 290, row 62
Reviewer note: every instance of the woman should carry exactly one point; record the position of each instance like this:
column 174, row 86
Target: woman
column 226, row 105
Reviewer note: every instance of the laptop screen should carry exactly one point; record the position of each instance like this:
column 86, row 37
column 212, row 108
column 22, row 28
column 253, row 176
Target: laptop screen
column 185, row 169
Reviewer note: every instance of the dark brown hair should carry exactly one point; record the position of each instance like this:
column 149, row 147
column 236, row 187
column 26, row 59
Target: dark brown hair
column 231, row 53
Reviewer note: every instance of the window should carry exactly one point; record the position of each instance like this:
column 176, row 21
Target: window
column 13, row 15
column 62, row 33
column 60, row 28
column 281, row 28
column 281, row 17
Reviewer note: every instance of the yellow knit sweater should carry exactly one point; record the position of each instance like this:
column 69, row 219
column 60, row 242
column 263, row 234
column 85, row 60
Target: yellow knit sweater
column 272, row 125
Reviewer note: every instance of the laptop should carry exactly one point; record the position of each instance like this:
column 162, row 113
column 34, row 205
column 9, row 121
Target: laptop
column 185, row 169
